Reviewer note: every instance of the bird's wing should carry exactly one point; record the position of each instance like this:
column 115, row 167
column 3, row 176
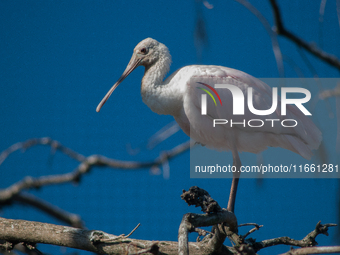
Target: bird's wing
column 304, row 134
column 212, row 75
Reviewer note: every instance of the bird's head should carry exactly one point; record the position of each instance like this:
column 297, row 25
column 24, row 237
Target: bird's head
column 146, row 53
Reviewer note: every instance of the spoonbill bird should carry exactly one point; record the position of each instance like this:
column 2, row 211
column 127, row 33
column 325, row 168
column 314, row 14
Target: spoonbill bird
column 178, row 96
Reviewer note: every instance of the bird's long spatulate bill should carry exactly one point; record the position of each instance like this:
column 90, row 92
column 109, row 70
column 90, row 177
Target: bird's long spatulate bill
column 134, row 62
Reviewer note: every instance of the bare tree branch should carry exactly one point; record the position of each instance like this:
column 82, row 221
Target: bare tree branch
column 272, row 35
column 17, row 231
column 55, row 145
column 69, row 218
column 316, row 78
column 314, row 250
column 157, row 138
column 163, row 134
column 293, row 65
column 307, row 241
column 29, row 232
column 84, row 167
column 222, row 220
column 200, row 32
column 213, row 243
column 21, row 231
column 257, row 227
column 7, row 248
column 312, row 48
column 119, row 237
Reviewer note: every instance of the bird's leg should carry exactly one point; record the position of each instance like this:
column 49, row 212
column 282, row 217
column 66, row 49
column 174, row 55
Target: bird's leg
column 236, row 175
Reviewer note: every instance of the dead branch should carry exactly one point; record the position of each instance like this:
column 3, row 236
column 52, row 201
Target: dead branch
column 55, row 146
column 162, row 134
column 224, row 222
column 120, row 236
column 257, row 227
column 213, row 243
column 30, row 233
column 23, row 248
column 21, row 231
column 87, row 163
column 307, row 241
column 200, row 198
column 312, row 48
column 18, row 231
column 313, row 250
column 200, row 33
column 71, row 219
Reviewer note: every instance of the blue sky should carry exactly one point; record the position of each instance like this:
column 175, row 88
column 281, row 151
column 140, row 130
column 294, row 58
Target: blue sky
column 59, row 58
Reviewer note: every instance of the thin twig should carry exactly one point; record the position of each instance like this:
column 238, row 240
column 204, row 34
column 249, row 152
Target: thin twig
column 163, row 134
column 257, row 227
column 316, row 78
column 272, row 35
column 41, row 141
column 133, row 230
column 312, row 48
column 223, row 221
column 200, row 32
column 114, row 239
column 293, row 65
column 307, row 241
column 250, row 224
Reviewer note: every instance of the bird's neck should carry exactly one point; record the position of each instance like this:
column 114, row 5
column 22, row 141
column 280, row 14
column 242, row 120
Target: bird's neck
column 160, row 96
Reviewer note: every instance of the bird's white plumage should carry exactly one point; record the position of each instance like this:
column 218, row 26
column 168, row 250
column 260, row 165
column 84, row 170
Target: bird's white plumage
column 178, row 96
column 300, row 139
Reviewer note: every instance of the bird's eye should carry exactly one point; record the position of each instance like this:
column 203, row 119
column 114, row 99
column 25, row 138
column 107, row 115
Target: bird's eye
column 143, row 50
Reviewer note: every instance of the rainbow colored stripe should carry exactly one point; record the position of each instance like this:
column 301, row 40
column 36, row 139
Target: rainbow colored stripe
column 208, row 92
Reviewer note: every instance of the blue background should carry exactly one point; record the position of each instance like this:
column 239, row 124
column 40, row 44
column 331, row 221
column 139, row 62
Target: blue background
column 59, row 58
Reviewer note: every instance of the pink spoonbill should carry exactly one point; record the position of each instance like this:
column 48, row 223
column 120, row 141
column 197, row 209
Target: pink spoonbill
column 178, row 96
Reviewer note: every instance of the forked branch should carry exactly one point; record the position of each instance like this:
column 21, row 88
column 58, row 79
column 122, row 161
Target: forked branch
column 86, row 164
column 310, row 47
column 225, row 225
column 307, row 241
